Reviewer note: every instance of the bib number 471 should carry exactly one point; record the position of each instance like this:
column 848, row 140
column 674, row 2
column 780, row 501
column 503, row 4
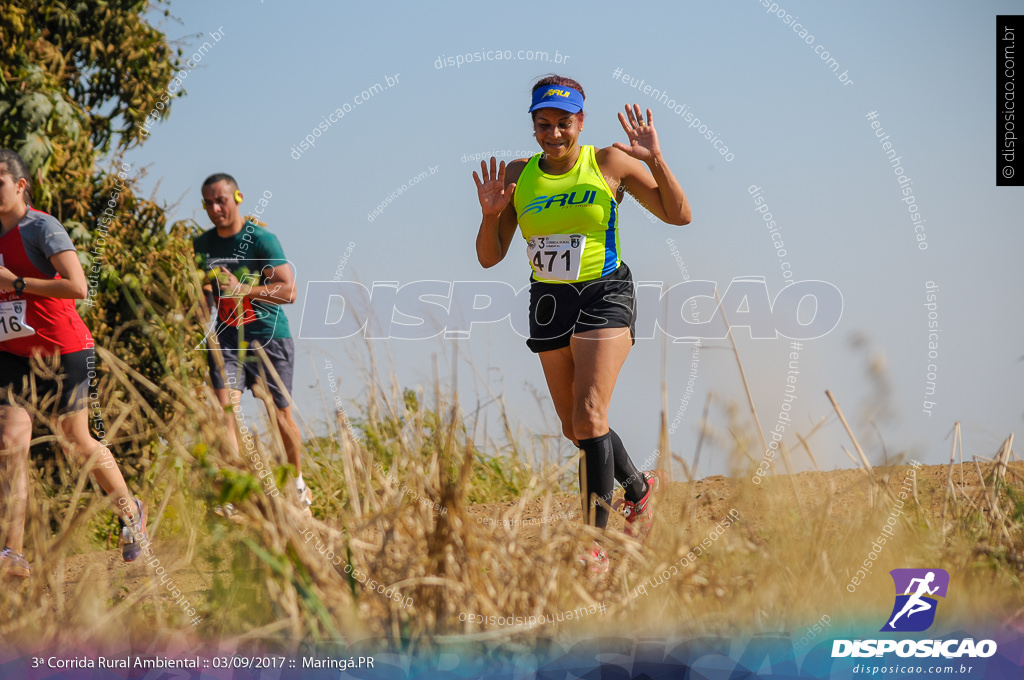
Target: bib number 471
column 551, row 255
column 557, row 256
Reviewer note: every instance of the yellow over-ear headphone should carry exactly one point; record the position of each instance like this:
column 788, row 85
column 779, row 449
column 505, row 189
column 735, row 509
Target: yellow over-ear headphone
column 238, row 198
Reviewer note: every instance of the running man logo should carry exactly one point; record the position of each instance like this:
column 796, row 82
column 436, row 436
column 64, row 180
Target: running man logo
column 917, row 591
column 559, row 93
column 914, row 610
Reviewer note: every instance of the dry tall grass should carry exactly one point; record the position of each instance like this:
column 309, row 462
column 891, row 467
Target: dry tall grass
column 397, row 501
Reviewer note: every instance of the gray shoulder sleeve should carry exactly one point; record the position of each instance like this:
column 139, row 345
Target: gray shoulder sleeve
column 43, row 237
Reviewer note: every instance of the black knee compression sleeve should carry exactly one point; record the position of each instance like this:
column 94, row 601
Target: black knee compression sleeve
column 599, row 477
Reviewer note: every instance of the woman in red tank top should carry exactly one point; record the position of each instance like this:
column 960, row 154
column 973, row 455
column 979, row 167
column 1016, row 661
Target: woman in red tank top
column 40, row 278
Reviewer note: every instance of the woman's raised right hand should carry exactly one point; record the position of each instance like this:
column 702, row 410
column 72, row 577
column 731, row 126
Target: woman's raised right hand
column 491, row 190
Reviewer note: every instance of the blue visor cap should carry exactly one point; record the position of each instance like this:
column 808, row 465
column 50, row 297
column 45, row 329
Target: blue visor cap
column 557, row 97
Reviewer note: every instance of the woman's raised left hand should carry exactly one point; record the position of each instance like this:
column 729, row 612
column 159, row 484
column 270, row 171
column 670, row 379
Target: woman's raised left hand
column 643, row 140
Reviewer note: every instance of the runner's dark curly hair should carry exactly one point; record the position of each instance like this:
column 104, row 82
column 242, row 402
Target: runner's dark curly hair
column 16, row 168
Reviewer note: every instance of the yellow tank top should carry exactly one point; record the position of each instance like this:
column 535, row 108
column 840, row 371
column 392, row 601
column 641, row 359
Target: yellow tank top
column 570, row 222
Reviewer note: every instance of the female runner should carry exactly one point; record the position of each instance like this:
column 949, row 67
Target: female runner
column 40, row 277
column 582, row 305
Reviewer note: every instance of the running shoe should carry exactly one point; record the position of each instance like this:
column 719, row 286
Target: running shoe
column 230, row 513
column 640, row 515
column 595, row 559
column 13, row 564
column 134, row 535
column 227, row 511
column 305, row 500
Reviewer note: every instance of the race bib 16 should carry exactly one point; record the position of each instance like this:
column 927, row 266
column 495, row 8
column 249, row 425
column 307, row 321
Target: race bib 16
column 12, row 321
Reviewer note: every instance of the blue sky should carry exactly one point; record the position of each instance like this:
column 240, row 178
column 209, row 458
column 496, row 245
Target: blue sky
column 794, row 129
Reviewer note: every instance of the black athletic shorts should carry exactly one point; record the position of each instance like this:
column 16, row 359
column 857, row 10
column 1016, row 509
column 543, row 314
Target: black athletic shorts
column 62, row 393
column 557, row 310
column 280, row 352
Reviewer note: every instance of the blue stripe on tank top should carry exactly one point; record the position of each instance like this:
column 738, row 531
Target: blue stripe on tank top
column 610, row 256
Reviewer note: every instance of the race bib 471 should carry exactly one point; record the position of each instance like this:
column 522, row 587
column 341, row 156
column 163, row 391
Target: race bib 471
column 557, row 256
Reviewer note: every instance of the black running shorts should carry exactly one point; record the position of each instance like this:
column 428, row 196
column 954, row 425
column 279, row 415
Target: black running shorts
column 558, row 310
column 61, row 393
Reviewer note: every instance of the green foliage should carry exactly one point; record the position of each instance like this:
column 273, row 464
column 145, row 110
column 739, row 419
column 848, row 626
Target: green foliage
column 1016, row 504
column 435, row 436
column 76, row 78
column 144, row 301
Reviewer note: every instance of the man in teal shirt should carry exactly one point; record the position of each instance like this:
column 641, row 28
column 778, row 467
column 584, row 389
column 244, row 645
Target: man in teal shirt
column 250, row 279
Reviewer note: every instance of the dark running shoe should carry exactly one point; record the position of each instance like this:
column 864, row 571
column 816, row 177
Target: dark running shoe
column 134, row 535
